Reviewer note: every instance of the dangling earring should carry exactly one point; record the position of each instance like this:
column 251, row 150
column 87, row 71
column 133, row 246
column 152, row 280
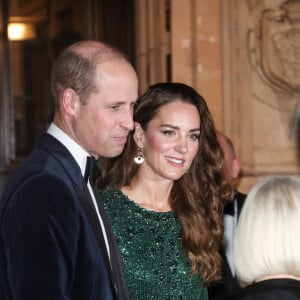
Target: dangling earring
column 139, row 158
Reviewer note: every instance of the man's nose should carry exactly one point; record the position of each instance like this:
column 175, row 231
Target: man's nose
column 127, row 119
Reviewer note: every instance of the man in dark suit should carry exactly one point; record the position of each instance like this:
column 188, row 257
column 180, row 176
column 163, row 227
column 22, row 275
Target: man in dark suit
column 231, row 167
column 55, row 242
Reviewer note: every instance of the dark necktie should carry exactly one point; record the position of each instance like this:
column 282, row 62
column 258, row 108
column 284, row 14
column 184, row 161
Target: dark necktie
column 92, row 170
column 229, row 208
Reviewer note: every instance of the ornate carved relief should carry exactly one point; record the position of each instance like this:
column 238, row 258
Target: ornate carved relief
column 274, row 52
column 262, row 83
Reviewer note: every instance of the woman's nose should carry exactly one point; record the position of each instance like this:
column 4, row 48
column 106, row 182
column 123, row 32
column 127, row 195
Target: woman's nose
column 181, row 145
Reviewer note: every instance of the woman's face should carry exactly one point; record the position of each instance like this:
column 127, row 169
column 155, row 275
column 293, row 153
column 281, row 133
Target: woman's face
column 170, row 142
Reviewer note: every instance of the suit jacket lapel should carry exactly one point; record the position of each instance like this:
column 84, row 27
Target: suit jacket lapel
column 88, row 206
column 50, row 144
column 240, row 197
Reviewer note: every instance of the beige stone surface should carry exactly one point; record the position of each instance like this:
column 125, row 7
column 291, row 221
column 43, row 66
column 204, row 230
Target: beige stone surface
column 243, row 56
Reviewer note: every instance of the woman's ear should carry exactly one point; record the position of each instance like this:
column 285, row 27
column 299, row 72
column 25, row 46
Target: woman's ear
column 138, row 135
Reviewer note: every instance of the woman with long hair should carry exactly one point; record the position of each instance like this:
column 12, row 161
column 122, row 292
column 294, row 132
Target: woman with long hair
column 164, row 196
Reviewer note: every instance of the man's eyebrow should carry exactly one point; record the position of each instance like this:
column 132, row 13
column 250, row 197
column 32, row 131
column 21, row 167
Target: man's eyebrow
column 120, row 102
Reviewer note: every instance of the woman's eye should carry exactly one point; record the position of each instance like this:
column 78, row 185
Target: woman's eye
column 168, row 132
column 194, row 137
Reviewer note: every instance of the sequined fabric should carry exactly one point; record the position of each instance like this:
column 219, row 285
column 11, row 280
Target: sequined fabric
column 155, row 266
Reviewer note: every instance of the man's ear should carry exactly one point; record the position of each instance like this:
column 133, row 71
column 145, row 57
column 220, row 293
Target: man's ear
column 69, row 101
column 138, row 135
column 236, row 168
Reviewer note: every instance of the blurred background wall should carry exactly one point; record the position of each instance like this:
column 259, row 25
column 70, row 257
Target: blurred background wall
column 243, row 56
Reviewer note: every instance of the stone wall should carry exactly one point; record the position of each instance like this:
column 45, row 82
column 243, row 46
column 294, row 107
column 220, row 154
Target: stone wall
column 242, row 56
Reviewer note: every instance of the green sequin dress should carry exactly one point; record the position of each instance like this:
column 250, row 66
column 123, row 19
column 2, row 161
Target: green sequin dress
column 155, row 266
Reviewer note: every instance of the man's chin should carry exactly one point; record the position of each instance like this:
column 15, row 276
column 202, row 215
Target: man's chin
column 115, row 152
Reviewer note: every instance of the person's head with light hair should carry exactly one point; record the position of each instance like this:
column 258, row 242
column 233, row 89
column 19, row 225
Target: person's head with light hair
column 267, row 239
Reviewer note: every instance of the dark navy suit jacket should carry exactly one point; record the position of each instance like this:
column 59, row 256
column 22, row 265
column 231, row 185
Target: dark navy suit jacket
column 50, row 238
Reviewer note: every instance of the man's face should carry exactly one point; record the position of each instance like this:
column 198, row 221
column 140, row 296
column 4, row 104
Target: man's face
column 231, row 165
column 228, row 163
column 102, row 125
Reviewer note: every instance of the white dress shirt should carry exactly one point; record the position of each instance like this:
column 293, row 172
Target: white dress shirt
column 230, row 223
column 80, row 156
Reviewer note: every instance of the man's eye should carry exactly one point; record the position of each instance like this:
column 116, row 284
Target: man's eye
column 115, row 107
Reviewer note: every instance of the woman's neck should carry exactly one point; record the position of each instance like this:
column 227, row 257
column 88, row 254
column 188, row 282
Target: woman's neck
column 151, row 195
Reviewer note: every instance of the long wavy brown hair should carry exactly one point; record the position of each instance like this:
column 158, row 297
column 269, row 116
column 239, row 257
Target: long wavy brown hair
column 198, row 196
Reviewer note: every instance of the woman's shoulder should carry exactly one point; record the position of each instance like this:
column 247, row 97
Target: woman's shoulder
column 110, row 195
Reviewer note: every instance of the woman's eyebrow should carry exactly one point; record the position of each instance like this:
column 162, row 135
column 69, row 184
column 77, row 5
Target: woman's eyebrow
column 177, row 128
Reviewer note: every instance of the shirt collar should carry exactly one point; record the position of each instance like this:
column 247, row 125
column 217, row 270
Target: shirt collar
column 79, row 154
